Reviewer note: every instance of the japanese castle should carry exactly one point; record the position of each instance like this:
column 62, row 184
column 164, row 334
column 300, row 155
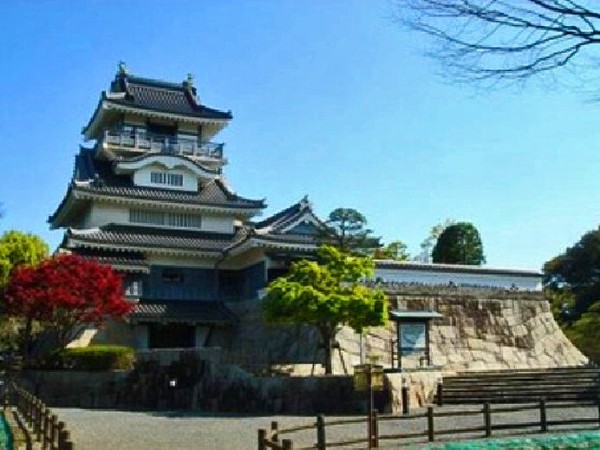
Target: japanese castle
column 148, row 196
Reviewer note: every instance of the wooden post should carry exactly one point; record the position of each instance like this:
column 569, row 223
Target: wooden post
column 46, row 430
column 287, row 444
column 53, row 431
column 543, row 418
column 59, row 434
column 405, row 399
column 430, row 428
column 275, row 431
column 440, row 393
column 375, row 428
column 487, row 420
column 63, row 440
column 39, row 407
column 321, row 438
column 262, row 437
column 598, row 401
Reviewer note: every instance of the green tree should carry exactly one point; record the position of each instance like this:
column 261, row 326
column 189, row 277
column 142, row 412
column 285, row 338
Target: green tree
column 459, row 244
column 18, row 248
column 327, row 294
column 395, row 250
column 429, row 242
column 585, row 333
column 577, row 269
column 346, row 229
column 572, row 285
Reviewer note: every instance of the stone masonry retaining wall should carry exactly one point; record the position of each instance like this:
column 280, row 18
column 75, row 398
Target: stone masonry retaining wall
column 482, row 329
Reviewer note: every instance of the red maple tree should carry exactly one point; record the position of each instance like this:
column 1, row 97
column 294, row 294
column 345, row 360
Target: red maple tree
column 63, row 293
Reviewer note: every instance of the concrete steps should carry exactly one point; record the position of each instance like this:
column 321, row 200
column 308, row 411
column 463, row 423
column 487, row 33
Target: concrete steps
column 517, row 386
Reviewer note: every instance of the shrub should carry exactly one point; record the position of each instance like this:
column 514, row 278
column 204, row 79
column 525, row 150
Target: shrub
column 93, row 358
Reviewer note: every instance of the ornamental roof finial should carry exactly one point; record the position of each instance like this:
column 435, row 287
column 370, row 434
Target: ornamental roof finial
column 190, row 80
column 123, row 68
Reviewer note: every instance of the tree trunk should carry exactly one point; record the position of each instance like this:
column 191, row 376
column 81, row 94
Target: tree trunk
column 26, row 344
column 327, row 336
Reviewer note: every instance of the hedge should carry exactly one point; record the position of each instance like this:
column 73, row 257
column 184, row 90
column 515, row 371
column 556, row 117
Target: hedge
column 93, row 358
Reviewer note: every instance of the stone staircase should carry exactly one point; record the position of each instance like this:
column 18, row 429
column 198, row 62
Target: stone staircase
column 520, row 386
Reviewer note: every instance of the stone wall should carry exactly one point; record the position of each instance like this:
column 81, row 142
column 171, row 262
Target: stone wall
column 482, row 329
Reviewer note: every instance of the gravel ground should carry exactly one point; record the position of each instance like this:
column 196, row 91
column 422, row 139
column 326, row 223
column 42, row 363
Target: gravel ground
column 101, row 429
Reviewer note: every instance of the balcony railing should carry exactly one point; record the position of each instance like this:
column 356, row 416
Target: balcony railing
column 146, row 142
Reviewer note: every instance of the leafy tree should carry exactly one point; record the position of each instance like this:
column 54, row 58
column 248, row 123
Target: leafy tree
column 429, row 242
column 17, row 248
column 63, row 293
column 459, row 244
column 394, row 250
column 327, row 295
column 346, row 229
column 577, row 269
column 572, row 285
column 504, row 40
column 585, row 333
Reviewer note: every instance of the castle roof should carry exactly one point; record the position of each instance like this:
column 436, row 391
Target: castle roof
column 183, row 311
column 295, row 228
column 94, row 178
column 129, row 93
column 135, row 238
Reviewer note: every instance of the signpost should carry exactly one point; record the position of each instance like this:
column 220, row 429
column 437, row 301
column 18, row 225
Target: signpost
column 369, row 378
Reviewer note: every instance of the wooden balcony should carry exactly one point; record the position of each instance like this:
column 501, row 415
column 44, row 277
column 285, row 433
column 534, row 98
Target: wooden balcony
column 145, row 142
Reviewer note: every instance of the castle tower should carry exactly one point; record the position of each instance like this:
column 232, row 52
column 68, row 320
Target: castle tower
column 148, row 197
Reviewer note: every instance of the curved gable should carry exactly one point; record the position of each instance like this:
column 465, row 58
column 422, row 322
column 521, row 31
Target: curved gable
column 165, row 171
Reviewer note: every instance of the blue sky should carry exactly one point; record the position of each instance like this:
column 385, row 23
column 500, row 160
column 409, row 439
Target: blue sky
column 330, row 99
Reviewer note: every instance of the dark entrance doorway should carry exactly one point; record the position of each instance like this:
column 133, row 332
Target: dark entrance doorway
column 171, row 335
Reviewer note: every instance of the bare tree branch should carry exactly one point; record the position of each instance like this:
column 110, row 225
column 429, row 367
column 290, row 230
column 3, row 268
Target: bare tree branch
column 503, row 40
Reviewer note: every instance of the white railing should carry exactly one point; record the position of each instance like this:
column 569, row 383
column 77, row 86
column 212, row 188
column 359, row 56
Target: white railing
column 166, row 144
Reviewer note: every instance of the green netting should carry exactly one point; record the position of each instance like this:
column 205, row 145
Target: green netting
column 589, row 439
column 5, row 435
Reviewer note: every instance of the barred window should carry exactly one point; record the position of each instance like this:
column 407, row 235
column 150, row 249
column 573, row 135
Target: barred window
column 172, row 179
column 146, row 216
column 180, row 220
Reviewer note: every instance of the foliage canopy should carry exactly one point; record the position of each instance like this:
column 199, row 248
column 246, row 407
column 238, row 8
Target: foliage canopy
column 459, row 244
column 573, row 288
column 326, row 294
column 347, row 229
column 63, row 293
column 18, row 248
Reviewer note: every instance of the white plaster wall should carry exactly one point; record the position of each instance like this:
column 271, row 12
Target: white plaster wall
column 399, row 275
column 141, row 177
column 102, row 214
column 220, row 224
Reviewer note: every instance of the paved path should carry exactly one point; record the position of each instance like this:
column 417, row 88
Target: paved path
column 98, row 429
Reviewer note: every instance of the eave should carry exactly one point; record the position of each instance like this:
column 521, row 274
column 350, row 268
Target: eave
column 74, row 243
column 164, row 204
column 105, row 105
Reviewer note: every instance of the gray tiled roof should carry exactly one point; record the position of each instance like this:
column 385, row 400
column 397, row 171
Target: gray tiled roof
column 134, row 261
column 162, row 96
column 183, row 311
column 139, row 236
column 97, row 177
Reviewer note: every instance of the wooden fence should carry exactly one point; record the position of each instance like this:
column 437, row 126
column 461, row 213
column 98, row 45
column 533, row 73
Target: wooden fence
column 430, row 430
column 43, row 426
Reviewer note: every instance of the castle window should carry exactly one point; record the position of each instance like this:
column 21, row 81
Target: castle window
column 146, row 216
column 179, row 220
column 171, row 179
column 172, row 276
